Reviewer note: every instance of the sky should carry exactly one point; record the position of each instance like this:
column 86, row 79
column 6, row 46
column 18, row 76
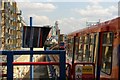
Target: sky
column 71, row 15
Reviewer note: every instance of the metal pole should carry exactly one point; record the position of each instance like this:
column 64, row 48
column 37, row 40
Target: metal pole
column 31, row 55
column 9, row 66
column 62, row 64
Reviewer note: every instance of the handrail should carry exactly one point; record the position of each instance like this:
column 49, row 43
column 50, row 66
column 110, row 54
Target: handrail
column 36, row 63
column 3, row 63
column 3, row 75
column 10, row 63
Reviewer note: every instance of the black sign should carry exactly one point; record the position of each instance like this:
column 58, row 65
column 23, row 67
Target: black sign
column 34, row 36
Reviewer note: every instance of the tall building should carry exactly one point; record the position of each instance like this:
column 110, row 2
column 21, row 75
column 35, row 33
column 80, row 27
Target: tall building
column 11, row 24
column 55, row 29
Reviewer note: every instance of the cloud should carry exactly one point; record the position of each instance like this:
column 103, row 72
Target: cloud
column 94, row 1
column 70, row 24
column 22, row 0
column 97, row 11
column 40, row 20
column 37, row 6
column 113, row 9
column 67, row 24
column 89, row 14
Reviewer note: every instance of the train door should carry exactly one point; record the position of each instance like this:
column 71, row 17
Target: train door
column 105, row 55
column 107, row 50
column 87, row 49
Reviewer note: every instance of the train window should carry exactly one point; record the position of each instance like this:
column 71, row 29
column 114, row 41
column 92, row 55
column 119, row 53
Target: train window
column 107, row 53
column 86, row 48
column 76, row 48
column 87, row 53
column 70, row 47
column 81, row 39
column 110, row 38
column 80, row 49
column 92, row 39
column 104, row 38
column 87, row 39
column 76, row 44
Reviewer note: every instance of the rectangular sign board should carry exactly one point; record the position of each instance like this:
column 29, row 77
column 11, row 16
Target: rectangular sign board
column 87, row 70
column 34, row 36
column 84, row 72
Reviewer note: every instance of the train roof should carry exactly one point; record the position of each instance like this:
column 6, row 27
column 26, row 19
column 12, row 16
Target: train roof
column 110, row 25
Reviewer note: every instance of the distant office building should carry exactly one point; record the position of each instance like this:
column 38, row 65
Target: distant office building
column 11, row 24
column 55, row 29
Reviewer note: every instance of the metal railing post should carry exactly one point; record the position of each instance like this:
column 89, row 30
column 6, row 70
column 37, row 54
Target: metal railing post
column 31, row 55
column 62, row 65
column 10, row 66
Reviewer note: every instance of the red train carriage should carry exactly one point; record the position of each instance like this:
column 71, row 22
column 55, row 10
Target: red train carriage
column 99, row 44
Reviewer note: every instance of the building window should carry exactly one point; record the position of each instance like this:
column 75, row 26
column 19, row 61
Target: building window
column 107, row 49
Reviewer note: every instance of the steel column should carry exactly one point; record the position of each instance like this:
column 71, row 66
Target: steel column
column 62, row 65
column 31, row 55
column 10, row 66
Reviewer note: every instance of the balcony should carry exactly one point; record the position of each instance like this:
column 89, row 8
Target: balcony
column 19, row 21
column 2, row 35
column 2, row 11
column 2, row 23
column 7, row 35
column 19, row 12
column 11, row 18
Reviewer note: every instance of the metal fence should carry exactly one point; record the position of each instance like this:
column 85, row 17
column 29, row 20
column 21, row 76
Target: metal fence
column 10, row 62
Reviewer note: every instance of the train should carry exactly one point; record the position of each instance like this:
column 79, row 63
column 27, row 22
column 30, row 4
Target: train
column 98, row 44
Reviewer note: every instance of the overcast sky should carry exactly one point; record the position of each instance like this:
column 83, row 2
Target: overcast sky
column 70, row 14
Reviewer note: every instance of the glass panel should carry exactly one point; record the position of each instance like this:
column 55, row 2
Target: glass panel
column 86, row 48
column 76, row 44
column 81, row 39
column 87, row 39
column 80, row 50
column 107, row 53
column 110, row 38
column 87, row 53
column 104, row 38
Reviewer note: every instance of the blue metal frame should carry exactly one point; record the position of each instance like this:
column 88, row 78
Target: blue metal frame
column 9, row 65
column 31, row 56
column 62, row 65
column 10, row 55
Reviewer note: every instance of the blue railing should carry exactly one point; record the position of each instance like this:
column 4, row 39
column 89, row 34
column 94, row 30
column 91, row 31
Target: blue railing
column 10, row 55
